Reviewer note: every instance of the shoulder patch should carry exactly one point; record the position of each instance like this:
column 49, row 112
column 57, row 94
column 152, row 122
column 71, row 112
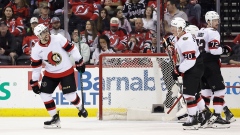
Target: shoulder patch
column 185, row 38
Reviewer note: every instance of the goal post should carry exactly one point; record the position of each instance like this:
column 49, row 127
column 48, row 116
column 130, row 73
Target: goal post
column 136, row 87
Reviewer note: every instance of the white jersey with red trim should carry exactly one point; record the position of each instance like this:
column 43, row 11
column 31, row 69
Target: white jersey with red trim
column 186, row 50
column 55, row 55
column 209, row 39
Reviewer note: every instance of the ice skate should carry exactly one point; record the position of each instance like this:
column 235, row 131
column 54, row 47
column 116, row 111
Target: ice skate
column 83, row 112
column 204, row 117
column 191, row 124
column 229, row 115
column 54, row 123
column 220, row 123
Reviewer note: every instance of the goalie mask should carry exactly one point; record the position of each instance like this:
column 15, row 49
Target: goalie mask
column 192, row 29
column 39, row 29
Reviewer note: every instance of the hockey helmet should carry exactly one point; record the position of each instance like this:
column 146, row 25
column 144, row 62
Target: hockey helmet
column 211, row 15
column 39, row 29
column 178, row 22
column 192, row 29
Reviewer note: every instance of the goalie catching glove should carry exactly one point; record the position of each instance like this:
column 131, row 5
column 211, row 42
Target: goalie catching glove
column 80, row 66
column 35, row 87
column 176, row 73
column 226, row 50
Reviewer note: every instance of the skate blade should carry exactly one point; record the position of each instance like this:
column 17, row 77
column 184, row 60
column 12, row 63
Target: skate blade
column 232, row 120
column 220, row 126
column 53, row 126
column 195, row 127
column 210, row 122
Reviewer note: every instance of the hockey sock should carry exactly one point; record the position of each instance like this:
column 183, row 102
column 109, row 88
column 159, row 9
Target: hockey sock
column 200, row 102
column 49, row 103
column 218, row 101
column 74, row 99
column 191, row 104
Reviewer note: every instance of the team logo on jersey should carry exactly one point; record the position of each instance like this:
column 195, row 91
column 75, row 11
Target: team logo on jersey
column 81, row 10
column 185, row 38
column 54, row 58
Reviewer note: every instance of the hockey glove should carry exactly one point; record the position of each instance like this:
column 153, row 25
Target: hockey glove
column 176, row 73
column 83, row 112
column 35, row 87
column 80, row 66
column 226, row 50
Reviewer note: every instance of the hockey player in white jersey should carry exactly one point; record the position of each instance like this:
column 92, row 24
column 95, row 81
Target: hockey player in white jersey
column 53, row 50
column 189, row 65
column 213, row 84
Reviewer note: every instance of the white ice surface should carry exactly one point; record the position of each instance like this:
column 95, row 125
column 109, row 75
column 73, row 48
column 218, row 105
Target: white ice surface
column 92, row 126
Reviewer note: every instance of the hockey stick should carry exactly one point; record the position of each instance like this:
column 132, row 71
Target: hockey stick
column 174, row 104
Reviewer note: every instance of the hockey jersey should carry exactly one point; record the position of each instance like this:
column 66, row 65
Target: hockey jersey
column 55, row 55
column 186, row 52
column 85, row 10
column 15, row 26
column 143, row 36
column 209, row 40
column 29, row 42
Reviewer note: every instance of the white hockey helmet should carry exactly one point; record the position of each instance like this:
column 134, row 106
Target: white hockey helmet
column 192, row 29
column 211, row 15
column 178, row 22
column 39, row 29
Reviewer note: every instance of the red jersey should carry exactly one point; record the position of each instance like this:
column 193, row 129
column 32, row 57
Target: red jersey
column 117, row 39
column 143, row 37
column 85, row 10
column 153, row 3
column 22, row 12
column 15, row 26
column 45, row 21
column 29, row 42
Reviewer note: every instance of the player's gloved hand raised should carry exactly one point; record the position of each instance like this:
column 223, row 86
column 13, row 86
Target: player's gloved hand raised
column 226, row 50
column 35, row 87
column 80, row 66
column 83, row 112
column 176, row 73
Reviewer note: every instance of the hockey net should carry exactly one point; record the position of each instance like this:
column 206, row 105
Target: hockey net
column 135, row 86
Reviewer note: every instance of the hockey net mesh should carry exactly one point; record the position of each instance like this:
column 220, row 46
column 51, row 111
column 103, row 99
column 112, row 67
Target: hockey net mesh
column 131, row 81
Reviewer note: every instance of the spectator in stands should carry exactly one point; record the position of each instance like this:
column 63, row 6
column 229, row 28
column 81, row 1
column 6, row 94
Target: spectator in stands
column 163, row 9
column 124, row 23
column 173, row 12
column 83, row 48
column 192, row 9
column 7, row 45
column 90, row 35
column 28, row 42
column 103, row 47
column 99, row 4
column 112, row 5
column 55, row 21
column 103, row 22
column 134, row 9
column 44, row 17
column 3, row 3
column 143, row 35
column 237, row 40
column 133, row 46
column 148, row 21
column 20, row 9
column 118, row 37
column 73, row 23
column 152, row 47
column 235, row 58
column 15, row 24
column 85, row 10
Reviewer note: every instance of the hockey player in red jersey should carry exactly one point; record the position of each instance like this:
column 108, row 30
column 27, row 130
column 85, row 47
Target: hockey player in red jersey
column 209, row 41
column 53, row 51
column 189, row 65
